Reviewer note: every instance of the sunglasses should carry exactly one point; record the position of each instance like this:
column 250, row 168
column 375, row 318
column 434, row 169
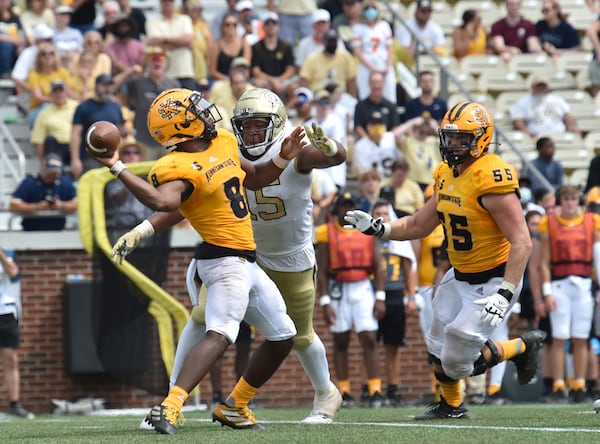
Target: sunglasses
column 228, row 24
column 95, row 42
column 47, row 53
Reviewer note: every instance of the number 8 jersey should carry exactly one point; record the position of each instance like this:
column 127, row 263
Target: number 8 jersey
column 475, row 243
column 217, row 207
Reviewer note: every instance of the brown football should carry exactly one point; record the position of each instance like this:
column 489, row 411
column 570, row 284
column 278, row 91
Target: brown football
column 102, row 139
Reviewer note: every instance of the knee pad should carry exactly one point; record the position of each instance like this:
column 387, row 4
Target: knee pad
column 198, row 313
column 481, row 365
column 303, row 341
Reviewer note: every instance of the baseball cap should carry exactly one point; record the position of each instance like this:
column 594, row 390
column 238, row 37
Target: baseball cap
column 270, row 16
column 376, row 117
column 239, row 61
column 538, row 79
column 321, row 15
column 346, row 198
column 57, row 84
column 242, row 5
column 321, row 95
column 104, row 79
column 422, row 4
column 303, row 91
column 53, row 163
column 193, row 4
column 42, row 31
column 203, row 84
column 63, row 9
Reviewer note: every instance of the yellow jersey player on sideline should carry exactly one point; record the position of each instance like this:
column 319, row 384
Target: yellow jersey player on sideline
column 476, row 199
column 203, row 176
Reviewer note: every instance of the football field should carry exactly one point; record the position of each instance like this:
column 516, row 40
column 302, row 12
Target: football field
column 510, row 424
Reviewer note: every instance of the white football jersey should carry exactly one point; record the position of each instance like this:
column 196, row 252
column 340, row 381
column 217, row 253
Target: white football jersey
column 282, row 219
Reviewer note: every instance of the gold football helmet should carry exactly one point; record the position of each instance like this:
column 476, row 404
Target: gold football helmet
column 258, row 104
column 466, row 131
column 177, row 115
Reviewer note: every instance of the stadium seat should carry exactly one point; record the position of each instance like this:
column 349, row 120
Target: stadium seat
column 575, row 61
column 587, row 116
column 592, row 141
column 575, row 96
column 495, row 82
column 531, row 63
column 521, row 141
column 582, row 79
column 581, row 18
column 506, row 99
column 558, row 80
column 485, row 99
column 578, row 177
column 476, row 64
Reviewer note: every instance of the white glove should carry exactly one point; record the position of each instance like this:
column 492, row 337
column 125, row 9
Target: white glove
column 130, row 240
column 495, row 307
column 364, row 223
column 319, row 140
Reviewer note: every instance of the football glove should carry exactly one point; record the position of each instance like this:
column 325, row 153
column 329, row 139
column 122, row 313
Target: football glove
column 130, row 240
column 494, row 307
column 319, row 140
column 364, row 223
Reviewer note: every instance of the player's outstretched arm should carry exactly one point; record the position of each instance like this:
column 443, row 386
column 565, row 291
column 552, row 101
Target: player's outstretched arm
column 322, row 152
column 262, row 174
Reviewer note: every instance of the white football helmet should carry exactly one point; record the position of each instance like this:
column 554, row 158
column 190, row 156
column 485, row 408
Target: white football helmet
column 258, row 104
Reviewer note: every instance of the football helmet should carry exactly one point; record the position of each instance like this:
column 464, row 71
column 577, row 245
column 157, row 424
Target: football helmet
column 258, row 104
column 180, row 114
column 465, row 132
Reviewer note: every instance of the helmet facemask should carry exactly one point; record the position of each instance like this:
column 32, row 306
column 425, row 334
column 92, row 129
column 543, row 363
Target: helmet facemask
column 207, row 112
column 457, row 146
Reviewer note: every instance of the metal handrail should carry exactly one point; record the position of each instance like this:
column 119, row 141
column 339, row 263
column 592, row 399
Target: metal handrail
column 7, row 166
column 446, row 76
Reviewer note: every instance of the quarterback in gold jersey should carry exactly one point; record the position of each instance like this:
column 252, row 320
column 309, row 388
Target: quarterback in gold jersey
column 476, row 200
column 203, row 176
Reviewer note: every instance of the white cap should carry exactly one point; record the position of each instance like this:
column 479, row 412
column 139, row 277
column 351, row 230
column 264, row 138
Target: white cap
column 42, row 31
column 242, row 5
column 270, row 15
column 303, row 91
column 321, row 15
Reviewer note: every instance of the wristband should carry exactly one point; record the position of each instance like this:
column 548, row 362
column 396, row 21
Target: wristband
column 117, row 168
column 145, row 229
column 385, row 232
column 280, row 162
column 506, row 290
column 380, row 295
column 324, row 300
column 546, row 289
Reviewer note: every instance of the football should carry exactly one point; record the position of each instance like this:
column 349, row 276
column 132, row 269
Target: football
column 102, row 139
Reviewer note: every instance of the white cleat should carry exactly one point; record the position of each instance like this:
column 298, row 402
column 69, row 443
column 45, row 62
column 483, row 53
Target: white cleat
column 325, row 406
column 146, row 424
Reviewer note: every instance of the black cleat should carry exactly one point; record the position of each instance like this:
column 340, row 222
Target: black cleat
column 165, row 419
column 441, row 410
column 347, row 401
column 527, row 362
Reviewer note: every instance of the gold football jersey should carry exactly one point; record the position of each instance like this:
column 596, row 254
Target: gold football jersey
column 475, row 243
column 217, row 208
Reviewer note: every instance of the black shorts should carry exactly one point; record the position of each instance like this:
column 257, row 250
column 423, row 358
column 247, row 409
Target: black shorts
column 392, row 326
column 9, row 331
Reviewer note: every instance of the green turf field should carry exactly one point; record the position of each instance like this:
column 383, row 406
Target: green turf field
column 512, row 424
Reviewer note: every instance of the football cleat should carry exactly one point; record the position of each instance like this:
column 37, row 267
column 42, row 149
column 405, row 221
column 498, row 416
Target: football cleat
column 347, row 401
column 236, row 417
column 165, row 419
column 18, row 410
column 146, row 423
column 442, row 410
column 527, row 362
column 376, row 400
column 325, row 406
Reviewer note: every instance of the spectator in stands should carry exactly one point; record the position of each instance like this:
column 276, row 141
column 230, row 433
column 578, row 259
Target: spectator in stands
column 82, row 76
column 321, row 23
column 375, row 102
column 377, row 150
column 556, row 34
column 46, row 70
column 344, row 22
column 428, row 32
column 408, row 195
column 330, row 64
column 203, row 38
column 250, row 25
column 541, row 112
column 92, row 42
column 342, row 104
column 139, row 91
column 295, row 17
column 426, row 105
column 52, row 128
column 11, row 309
column 125, row 51
column 333, row 127
column 84, row 15
column 137, row 15
column 225, row 48
column 369, row 185
column 300, row 105
column 418, row 140
column 42, row 33
column 470, row 38
column 593, row 33
column 273, row 59
column 514, row 34
column 49, row 190
column 100, row 107
column 545, row 163
column 372, row 46
column 110, row 10
column 225, row 93
column 36, row 12
column 11, row 39
column 174, row 33
column 68, row 41
column 217, row 20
